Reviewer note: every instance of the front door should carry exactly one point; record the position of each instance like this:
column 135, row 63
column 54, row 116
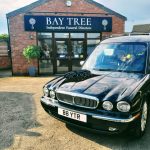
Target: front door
column 46, row 60
column 69, row 53
column 77, row 54
column 62, row 56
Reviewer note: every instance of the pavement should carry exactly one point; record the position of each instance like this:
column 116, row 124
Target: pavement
column 24, row 125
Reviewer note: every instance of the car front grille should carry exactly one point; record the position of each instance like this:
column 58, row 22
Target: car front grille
column 79, row 100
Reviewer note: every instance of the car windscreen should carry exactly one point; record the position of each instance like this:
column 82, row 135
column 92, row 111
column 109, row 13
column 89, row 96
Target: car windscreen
column 127, row 57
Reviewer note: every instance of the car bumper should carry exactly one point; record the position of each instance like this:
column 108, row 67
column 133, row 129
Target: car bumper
column 95, row 121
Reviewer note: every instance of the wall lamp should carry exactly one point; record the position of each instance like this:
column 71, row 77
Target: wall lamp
column 31, row 37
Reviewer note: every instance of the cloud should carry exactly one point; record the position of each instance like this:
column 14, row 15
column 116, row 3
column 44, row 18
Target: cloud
column 8, row 6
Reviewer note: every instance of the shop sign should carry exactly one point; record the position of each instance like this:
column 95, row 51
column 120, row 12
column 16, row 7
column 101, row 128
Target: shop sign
column 67, row 24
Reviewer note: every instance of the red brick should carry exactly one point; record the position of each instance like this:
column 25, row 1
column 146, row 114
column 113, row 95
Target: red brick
column 4, row 62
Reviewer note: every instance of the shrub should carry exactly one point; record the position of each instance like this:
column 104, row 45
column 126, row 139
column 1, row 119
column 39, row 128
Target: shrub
column 32, row 52
column 4, row 37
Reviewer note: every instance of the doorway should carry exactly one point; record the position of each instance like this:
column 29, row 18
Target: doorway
column 69, row 53
column 63, row 52
column 46, row 60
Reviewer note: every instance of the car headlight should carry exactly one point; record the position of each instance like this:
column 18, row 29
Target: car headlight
column 46, row 91
column 123, row 106
column 107, row 105
column 52, row 94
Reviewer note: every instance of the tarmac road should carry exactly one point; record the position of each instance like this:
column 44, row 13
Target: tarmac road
column 24, row 125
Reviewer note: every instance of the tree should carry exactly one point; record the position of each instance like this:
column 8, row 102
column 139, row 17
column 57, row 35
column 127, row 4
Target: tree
column 32, row 52
column 4, row 37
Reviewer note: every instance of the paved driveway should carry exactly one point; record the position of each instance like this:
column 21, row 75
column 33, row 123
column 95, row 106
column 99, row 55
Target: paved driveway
column 24, row 125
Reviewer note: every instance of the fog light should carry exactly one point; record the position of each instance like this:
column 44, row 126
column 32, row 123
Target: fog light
column 52, row 94
column 45, row 90
column 112, row 129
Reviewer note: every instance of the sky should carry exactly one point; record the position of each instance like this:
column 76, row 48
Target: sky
column 136, row 11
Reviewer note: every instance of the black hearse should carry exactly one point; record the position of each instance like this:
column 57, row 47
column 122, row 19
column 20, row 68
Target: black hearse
column 111, row 91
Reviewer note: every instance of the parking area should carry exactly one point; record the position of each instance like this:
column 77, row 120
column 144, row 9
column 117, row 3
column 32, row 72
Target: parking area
column 24, row 125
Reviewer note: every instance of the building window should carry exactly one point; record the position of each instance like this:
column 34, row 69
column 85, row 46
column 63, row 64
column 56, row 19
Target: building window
column 46, row 59
column 93, row 35
column 93, row 39
column 62, row 35
column 91, row 44
column 62, row 52
column 46, row 47
column 44, row 35
column 77, row 35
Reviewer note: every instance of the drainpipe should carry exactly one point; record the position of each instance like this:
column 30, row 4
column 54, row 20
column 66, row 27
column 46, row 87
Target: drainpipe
column 9, row 44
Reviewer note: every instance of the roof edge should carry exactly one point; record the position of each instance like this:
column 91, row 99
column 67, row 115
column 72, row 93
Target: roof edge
column 147, row 24
column 107, row 9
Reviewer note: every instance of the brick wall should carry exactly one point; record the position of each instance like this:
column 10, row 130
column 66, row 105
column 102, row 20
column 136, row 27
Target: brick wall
column 21, row 39
column 4, row 58
column 4, row 62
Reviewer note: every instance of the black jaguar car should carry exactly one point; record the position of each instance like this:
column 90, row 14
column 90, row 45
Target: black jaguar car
column 111, row 92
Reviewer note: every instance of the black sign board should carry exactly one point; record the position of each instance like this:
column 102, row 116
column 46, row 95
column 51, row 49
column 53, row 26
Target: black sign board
column 67, row 24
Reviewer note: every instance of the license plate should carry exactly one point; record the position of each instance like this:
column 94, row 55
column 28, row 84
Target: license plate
column 72, row 115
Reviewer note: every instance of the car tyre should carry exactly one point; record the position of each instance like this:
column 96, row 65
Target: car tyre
column 141, row 123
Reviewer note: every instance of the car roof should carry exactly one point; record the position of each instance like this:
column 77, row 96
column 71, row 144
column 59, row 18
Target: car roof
column 135, row 38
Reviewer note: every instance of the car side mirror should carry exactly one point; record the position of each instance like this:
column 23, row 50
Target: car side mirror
column 82, row 62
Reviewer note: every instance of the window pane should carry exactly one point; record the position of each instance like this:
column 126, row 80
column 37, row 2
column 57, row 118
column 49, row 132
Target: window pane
column 62, row 56
column 77, row 35
column 91, row 44
column 44, row 35
column 77, row 54
column 77, row 49
column 46, row 47
column 93, row 35
column 45, row 66
column 61, row 35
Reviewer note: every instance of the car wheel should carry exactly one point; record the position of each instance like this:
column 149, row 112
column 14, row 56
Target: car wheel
column 140, row 127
